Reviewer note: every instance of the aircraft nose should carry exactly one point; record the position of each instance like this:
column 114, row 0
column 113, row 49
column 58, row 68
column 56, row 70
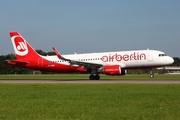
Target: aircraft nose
column 170, row 60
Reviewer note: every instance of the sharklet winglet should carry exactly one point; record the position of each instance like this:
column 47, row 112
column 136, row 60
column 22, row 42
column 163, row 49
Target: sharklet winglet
column 58, row 54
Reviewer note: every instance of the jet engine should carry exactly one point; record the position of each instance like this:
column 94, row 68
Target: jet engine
column 113, row 70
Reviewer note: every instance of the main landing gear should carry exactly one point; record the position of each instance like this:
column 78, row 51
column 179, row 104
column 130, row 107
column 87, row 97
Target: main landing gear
column 151, row 74
column 94, row 77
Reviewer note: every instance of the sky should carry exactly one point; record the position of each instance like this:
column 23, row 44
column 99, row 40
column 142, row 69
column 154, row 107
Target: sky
column 92, row 25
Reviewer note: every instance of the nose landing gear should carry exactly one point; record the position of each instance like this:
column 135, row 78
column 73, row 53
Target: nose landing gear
column 151, row 73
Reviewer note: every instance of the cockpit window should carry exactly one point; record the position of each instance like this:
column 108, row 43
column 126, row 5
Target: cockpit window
column 161, row 55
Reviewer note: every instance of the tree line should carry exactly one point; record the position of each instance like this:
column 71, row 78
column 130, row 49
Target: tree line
column 8, row 69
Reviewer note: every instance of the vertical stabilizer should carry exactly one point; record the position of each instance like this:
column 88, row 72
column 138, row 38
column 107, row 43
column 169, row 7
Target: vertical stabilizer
column 22, row 48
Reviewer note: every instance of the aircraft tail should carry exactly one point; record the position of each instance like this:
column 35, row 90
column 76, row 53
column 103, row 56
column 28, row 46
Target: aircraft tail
column 22, row 48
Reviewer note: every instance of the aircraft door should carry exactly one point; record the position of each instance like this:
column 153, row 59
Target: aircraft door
column 40, row 62
column 150, row 56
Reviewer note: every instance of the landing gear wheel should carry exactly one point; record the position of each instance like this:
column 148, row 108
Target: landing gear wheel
column 97, row 77
column 91, row 77
column 151, row 76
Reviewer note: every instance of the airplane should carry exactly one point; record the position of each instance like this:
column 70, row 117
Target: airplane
column 109, row 63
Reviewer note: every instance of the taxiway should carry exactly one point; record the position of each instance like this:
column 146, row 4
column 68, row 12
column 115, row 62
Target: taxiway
column 94, row 81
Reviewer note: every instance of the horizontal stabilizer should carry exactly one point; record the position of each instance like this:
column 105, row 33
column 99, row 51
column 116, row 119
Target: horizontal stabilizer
column 18, row 61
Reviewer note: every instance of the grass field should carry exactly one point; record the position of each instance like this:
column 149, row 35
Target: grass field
column 86, row 77
column 89, row 101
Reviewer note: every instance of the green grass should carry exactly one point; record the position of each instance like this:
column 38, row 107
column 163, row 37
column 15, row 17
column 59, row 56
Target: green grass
column 86, row 77
column 89, row 101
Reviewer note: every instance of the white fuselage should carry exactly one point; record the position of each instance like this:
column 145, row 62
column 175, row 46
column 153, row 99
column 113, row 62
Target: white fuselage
column 126, row 59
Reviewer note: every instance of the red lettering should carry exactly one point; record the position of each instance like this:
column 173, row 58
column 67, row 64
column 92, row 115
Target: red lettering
column 118, row 58
column 126, row 57
column 142, row 56
column 111, row 58
column 104, row 58
column 135, row 56
column 131, row 56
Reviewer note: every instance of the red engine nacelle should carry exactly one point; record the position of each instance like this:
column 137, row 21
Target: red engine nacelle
column 113, row 70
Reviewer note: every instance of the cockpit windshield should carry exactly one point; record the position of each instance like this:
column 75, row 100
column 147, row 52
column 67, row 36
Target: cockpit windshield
column 161, row 55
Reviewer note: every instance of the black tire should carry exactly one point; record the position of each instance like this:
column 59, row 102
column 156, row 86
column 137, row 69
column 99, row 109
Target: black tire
column 97, row 77
column 91, row 77
column 151, row 76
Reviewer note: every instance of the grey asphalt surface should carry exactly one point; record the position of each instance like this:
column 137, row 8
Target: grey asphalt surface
column 94, row 81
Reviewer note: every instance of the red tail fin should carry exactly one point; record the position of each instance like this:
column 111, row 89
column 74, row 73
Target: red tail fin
column 22, row 48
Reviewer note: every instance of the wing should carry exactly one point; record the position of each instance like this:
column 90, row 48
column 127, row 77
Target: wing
column 75, row 62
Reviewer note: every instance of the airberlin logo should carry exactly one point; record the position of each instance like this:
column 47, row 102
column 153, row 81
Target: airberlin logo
column 19, row 45
column 125, row 57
